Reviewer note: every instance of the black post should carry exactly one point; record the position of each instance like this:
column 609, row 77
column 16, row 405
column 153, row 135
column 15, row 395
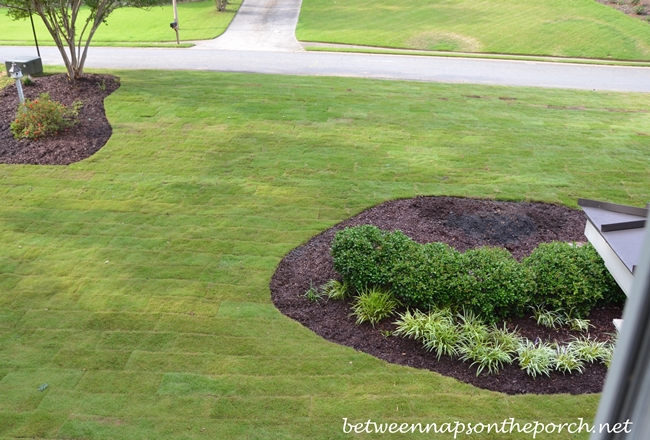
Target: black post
column 34, row 31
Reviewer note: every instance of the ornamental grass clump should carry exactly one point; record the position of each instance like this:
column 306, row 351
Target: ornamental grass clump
column 441, row 334
column 411, row 325
column 486, row 355
column 373, row 305
column 43, row 117
column 590, row 350
column 566, row 359
column 335, row 289
column 536, row 358
column 489, row 348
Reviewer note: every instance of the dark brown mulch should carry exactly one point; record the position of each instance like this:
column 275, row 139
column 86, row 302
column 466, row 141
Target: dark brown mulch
column 464, row 224
column 77, row 143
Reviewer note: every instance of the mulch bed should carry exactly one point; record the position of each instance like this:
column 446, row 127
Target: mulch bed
column 77, row 143
column 464, row 224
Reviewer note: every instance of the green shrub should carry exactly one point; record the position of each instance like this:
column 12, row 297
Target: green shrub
column 493, row 284
column 373, row 305
column 426, row 277
column 486, row 281
column 43, row 117
column 365, row 255
column 570, row 277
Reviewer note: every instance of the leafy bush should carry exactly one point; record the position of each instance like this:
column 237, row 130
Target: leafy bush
column 43, row 117
column 570, row 277
column 373, row 305
column 427, row 276
column 487, row 281
column 365, row 255
column 493, row 284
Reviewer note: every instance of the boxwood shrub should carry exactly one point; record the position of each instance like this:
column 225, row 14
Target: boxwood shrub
column 365, row 255
column 493, row 284
column 571, row 277
column 486, row 281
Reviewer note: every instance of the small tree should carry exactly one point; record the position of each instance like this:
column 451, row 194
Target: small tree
column 60, row 18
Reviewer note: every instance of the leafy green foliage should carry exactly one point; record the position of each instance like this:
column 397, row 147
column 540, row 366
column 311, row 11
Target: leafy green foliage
column 493, row 284
column 426, row 276
column 441, row 335
column 43, row 117
column 486, row 281
column 365, row 255
column 566, row 359
column 569, row 277
column 313, row 294
column 373, row 305
column 536, row 358
column 547, row 318
column 486, row 355
column 335, row 290
column 590, row 350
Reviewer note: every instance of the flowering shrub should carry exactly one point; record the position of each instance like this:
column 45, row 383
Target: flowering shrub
column 43, row 117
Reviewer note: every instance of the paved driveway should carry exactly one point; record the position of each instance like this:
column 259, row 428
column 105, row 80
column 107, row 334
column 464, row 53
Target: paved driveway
column 260, row 25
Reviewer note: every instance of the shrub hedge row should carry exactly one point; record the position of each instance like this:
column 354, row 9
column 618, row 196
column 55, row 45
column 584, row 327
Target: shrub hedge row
column 487, row 281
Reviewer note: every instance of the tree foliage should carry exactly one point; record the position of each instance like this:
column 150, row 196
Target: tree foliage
column 71, row 33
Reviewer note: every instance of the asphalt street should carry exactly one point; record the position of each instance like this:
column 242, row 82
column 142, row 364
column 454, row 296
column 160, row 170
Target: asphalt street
column 261, row 39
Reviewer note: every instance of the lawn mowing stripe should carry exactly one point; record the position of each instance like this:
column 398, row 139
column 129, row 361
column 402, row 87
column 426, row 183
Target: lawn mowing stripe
column 187, row 300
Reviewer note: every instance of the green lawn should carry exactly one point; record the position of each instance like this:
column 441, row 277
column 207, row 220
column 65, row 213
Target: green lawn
column 127, row 26
column 135, row 283
column 568, row 28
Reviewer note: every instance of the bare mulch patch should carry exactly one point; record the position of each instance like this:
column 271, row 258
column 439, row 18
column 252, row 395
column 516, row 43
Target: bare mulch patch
column 77, row 143
column 464, row 224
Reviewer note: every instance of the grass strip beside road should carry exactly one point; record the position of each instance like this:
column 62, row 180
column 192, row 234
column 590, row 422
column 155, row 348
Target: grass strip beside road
column 576, row 28
column 383, row 51
column 135, row 27
column 135, row 283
